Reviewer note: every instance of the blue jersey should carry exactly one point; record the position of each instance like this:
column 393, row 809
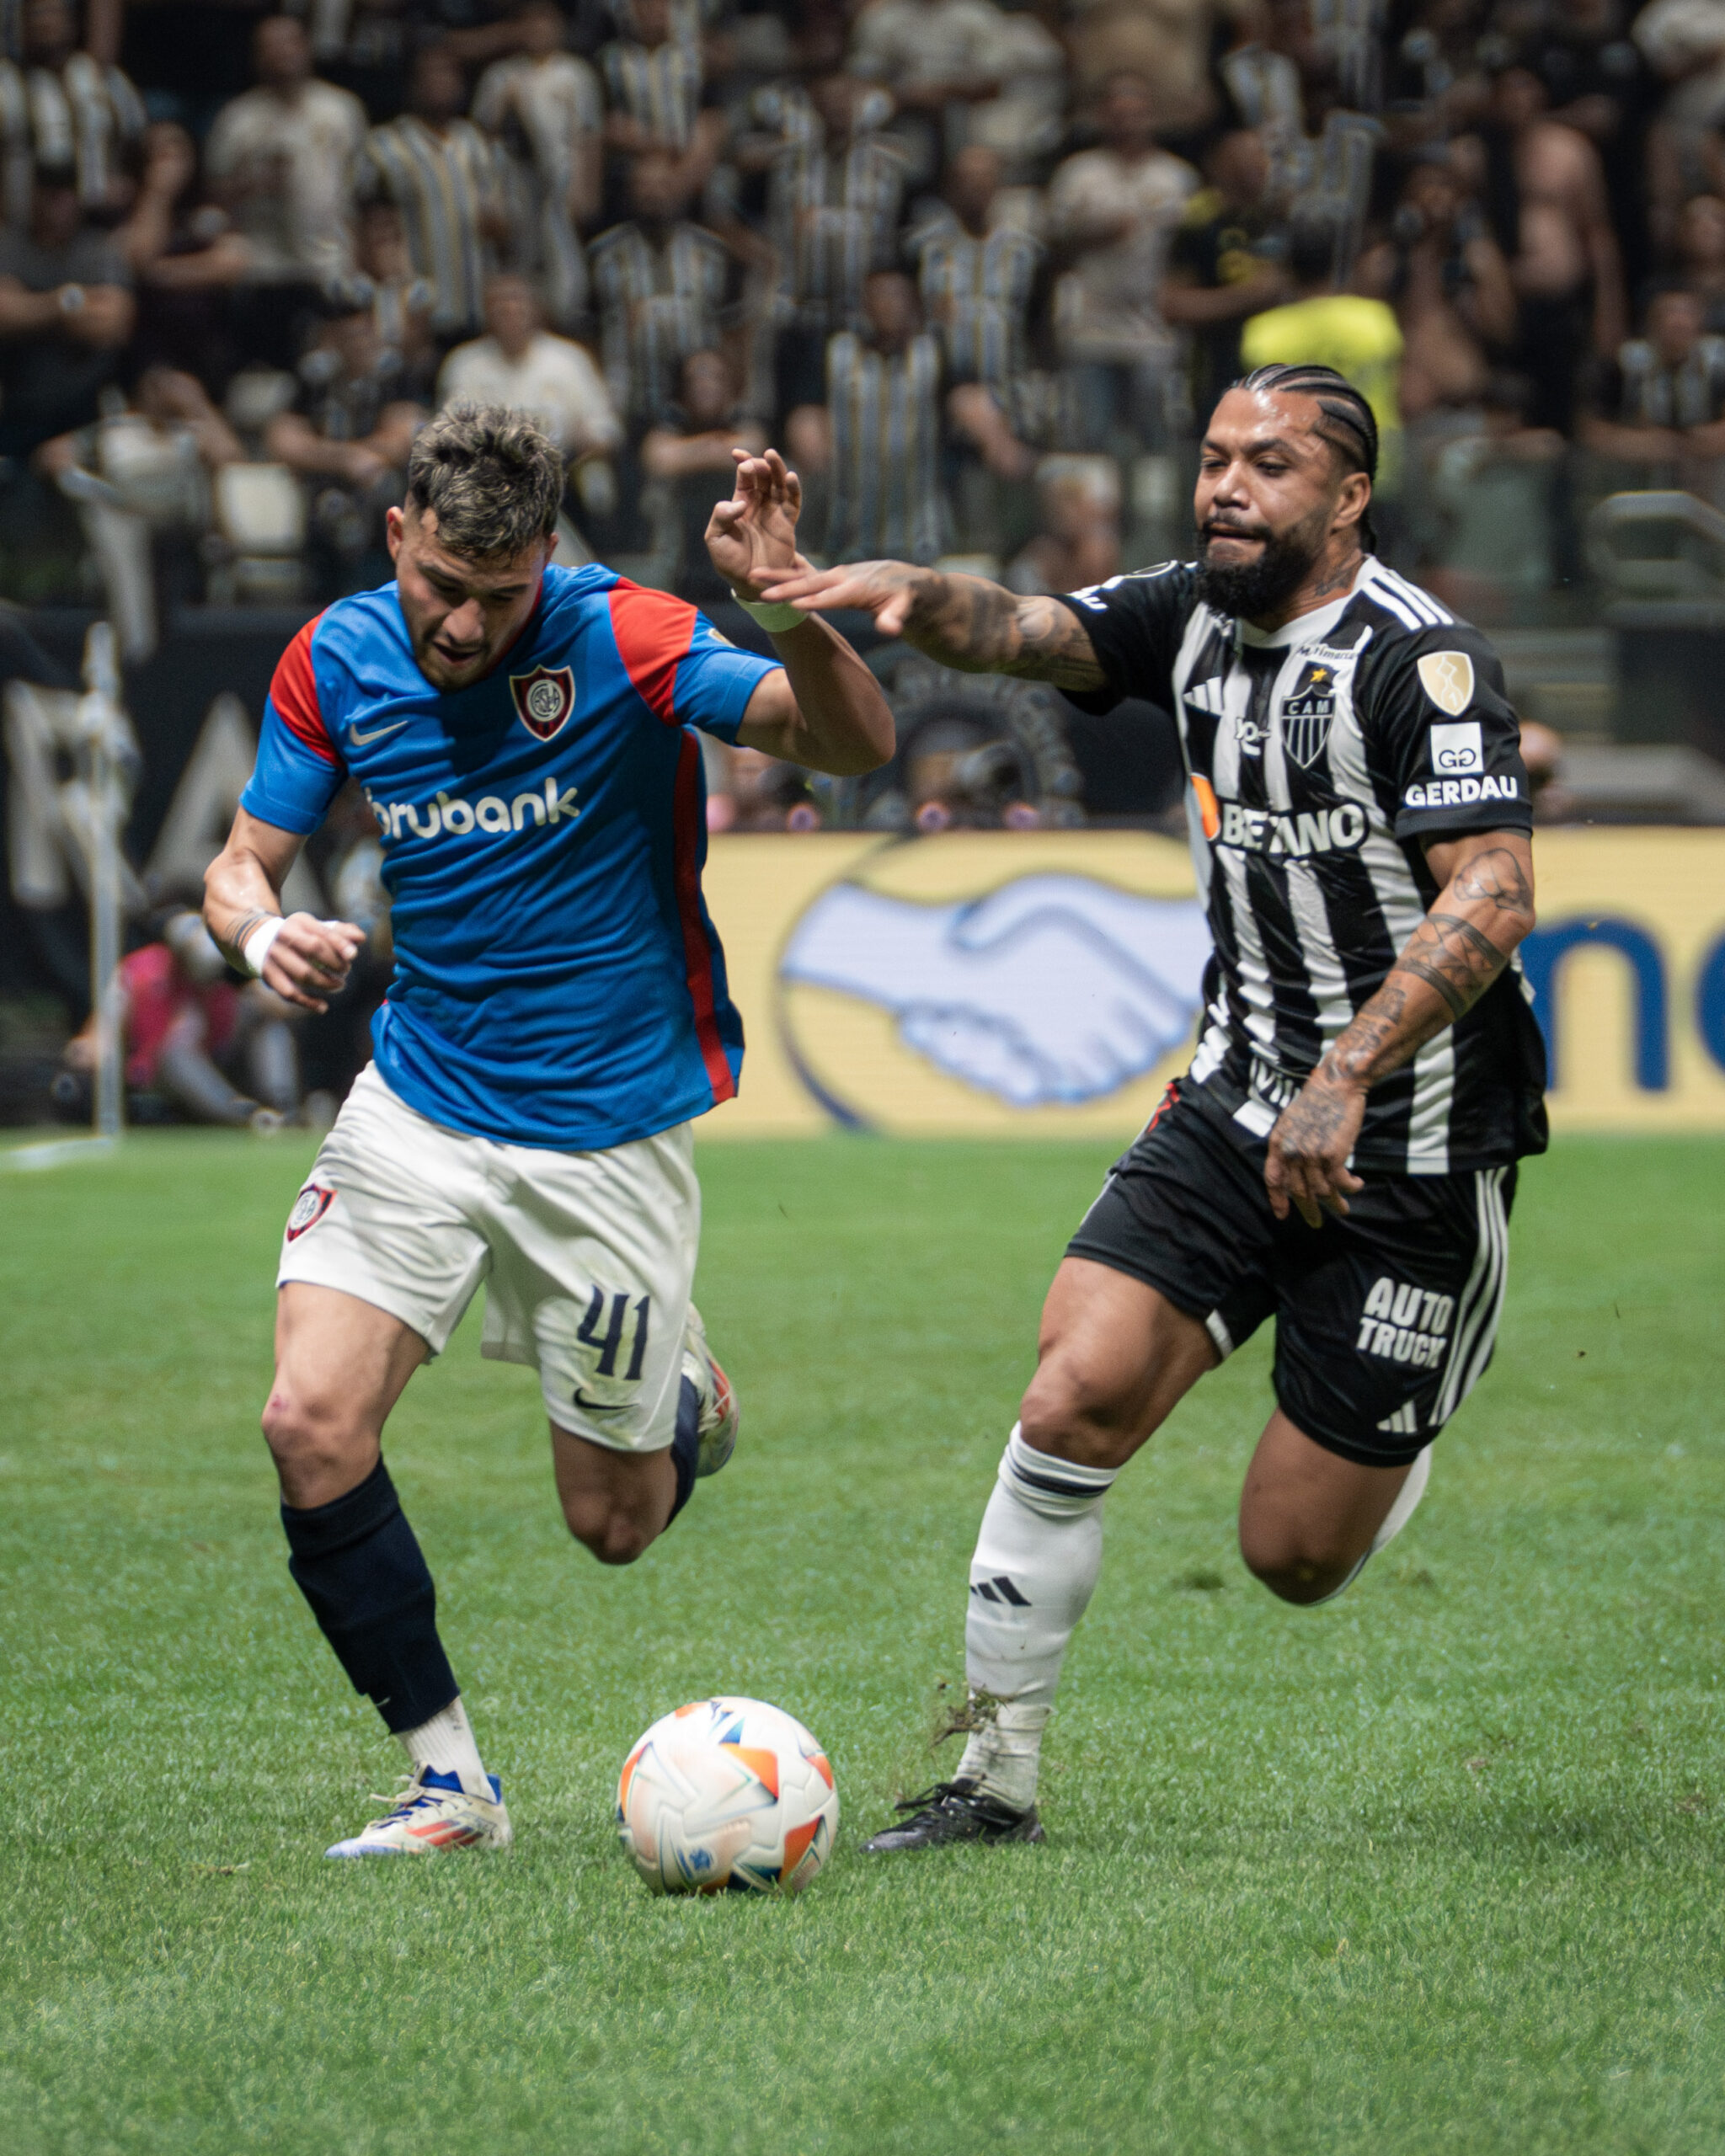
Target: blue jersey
column 558, row 981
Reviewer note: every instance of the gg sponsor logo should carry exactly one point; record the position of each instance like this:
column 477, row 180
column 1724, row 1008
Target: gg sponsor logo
column 1458, row 748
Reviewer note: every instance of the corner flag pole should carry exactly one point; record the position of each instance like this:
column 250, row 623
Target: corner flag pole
column 103, row 727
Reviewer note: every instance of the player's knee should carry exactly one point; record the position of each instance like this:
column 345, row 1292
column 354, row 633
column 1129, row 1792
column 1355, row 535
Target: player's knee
column 306, row 1435
column 1066, row 1417
column 1296, row 1566
column 614, row 1534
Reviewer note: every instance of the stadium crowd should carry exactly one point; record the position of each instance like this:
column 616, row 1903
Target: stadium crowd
column 980, row 269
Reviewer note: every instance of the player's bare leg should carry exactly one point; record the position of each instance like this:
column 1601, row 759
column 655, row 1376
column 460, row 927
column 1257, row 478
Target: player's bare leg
column 617, row 1502
column 1309, row 1518
column 341, row 1365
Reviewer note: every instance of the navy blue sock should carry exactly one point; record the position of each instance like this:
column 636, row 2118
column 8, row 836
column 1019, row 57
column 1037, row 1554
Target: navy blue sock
column 360, row 1565
column 684, row 1446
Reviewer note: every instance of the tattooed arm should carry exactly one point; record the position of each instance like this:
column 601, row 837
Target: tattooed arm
column 1465, row 941
column 963, row 622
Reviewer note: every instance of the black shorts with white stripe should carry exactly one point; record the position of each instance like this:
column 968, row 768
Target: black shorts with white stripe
column 1383, row 1319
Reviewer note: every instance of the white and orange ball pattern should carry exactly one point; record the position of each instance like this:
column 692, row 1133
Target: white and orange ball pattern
column 727, row 1795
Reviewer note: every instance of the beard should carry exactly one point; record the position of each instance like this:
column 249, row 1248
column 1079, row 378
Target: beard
column 1249, row 590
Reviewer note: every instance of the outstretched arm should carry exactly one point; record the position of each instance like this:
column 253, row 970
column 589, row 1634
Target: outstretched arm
column 963, row 622
column 1466, row 939
column 308, row 959
column 825, row 709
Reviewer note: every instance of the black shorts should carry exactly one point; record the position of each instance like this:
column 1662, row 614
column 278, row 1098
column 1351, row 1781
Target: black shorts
column 1383, row 1320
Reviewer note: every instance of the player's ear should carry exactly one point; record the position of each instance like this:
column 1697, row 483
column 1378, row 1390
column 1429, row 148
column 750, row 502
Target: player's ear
column 1352, row 502
column 394, row 528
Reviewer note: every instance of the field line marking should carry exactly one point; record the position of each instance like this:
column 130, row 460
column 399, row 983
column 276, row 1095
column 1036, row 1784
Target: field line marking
column 58, row 1153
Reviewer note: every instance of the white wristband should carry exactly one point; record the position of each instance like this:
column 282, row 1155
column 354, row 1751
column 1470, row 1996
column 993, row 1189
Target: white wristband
column 258, row 939
column 773, row 619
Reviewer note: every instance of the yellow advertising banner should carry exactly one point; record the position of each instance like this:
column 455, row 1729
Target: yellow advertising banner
column 1046, row 983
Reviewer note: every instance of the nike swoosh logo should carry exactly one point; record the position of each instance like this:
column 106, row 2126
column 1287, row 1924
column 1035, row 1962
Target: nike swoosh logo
column 364, row 740
column 598, row 1407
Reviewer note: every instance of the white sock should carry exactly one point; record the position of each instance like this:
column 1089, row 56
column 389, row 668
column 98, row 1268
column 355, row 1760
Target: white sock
column 446, row 1743
column 1407, row 1504
column 1031, row 1580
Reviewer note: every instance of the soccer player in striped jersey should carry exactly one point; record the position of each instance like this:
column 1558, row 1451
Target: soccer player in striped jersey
column 526, row 737
column 1342, row 1154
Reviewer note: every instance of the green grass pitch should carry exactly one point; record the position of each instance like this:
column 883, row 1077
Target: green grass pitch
column 1436, row 1868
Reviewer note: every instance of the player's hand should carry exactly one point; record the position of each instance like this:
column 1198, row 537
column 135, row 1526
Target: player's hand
column 1307, row 1162
column 886, row 590
column 310, row 960
column 752, row 538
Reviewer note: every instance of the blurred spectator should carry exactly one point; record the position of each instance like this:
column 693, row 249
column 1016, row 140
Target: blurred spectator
column 748, row 791
column 154, row 460
column 1112, row 212
column 689, row 453
column 1701, row 254
column 444, row 176
column 834, row 199
column 1226, row 262
column 880, row 433
column 1544, row 201
column 279, row 160
column 63, row 108
column 187, row 259
column 402, row 300
column 189, row 1030
column 1357, row 335
column 1447, row 281
column 1079, row 543
column 654, row 79
column 519, row 362
column 1663, row 402
column 348, row 436
column 545, row 107
column 936, row 57
column 66, row 311
column 664, row 288
column 1165, row 45
column 977, row 267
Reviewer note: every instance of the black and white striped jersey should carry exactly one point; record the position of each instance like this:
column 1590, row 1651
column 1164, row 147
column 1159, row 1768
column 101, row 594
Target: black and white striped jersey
column 1319, row 756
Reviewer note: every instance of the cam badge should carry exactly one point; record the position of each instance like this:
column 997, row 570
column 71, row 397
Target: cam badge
column 1308, row 713
column 544, row 699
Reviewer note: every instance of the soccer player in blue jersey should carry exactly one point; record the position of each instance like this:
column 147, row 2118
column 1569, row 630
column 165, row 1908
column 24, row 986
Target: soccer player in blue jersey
column 558, row 1014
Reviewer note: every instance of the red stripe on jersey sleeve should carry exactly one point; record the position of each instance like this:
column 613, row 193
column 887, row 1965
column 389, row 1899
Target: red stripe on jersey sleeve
column 294, row 693
column 698, row 951
column 654, row 633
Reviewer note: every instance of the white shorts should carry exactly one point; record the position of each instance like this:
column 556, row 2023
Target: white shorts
column 588, row 1259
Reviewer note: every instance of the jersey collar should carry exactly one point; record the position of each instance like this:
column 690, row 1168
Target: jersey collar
column 1304, row 628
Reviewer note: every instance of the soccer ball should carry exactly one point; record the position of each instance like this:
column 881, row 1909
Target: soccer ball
column 727, row 1795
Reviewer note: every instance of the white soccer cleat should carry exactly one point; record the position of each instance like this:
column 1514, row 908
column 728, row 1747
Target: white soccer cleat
column 719, row 1419
column 433, row 1813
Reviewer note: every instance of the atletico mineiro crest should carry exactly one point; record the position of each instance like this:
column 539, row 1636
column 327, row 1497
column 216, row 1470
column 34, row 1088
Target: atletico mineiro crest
column 544, row 698
column 1307, row 714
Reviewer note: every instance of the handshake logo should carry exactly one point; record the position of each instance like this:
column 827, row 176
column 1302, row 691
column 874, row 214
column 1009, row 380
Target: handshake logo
column 1053, row 988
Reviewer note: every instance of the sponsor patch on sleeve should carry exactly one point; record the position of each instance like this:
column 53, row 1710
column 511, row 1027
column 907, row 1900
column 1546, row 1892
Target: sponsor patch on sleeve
column 1459, row 792
column 1447, row 678
column 1457, row 749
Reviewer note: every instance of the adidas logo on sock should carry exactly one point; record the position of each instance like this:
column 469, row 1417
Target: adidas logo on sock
column 1000, row 1589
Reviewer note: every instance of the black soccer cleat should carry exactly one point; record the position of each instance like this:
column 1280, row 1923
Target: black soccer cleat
column 956, row 1812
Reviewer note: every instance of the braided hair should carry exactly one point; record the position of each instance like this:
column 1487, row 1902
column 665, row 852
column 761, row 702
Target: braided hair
column 1348, row 423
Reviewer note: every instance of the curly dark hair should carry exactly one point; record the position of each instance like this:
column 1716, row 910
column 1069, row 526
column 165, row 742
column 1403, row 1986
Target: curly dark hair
column 492, row 475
